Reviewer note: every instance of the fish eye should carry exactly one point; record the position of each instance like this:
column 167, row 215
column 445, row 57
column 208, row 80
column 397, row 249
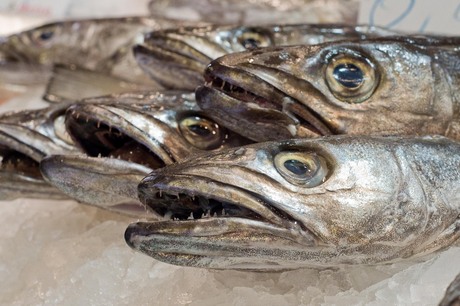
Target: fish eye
column 301, row 168
column 202, row 133
column 251, row 39
column 60, row 130
column 350, row 78
column 43, row 36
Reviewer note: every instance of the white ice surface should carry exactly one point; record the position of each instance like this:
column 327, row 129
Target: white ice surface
column 63, row 253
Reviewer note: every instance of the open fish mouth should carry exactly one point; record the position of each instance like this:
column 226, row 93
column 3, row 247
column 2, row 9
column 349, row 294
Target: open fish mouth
column 222, row 227
column 241, row 91
column 103, row 133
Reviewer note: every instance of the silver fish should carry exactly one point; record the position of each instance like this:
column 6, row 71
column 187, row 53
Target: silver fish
column 25, row 138
column 390, row 85
column 157, row 130
column 304, row 203
column 258, row 11
column 98, row 44
column 452, row 296
column 176, row 58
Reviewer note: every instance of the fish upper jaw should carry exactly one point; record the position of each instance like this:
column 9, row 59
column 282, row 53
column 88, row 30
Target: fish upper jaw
column 100, row 131
column 237, row 90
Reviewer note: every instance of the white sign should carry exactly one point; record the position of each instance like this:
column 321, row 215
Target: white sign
column 424, row 16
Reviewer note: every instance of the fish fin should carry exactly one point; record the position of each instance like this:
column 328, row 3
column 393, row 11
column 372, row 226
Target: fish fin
column 70, row 83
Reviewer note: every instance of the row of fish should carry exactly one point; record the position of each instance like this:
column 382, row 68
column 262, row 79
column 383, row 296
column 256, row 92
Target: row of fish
column 294, row 201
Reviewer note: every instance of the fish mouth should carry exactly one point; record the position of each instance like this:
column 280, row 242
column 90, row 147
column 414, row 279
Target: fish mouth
column 100, row 132
column 214, row 225
column 243, row 92
column 172, row 63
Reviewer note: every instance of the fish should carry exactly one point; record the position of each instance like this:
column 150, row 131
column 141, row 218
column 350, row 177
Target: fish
column 258, row 11
column 176, row 58
column 103, row 45
column 25, row 138
column 145, row 130
column 391, row 85
column 69, row 83
column 452, row 296
column 299, row 203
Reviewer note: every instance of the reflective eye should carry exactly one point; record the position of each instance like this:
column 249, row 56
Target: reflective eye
column 303, row 169
column 202, row 133
column 60, row 130
column 351, row 78
column 251, row 39
column 43, row 36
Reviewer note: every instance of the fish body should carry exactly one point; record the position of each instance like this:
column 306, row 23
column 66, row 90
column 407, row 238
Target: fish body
column 176, row 58
column 97, row 44
column 304, row 203
column 130, row 134
column 390, row 85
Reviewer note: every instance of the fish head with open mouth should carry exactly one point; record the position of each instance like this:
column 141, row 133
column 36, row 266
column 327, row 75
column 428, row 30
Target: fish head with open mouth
column 176, row 58
column 125, row 137
column 25, row 138
column 303, row 203
column 393, row 85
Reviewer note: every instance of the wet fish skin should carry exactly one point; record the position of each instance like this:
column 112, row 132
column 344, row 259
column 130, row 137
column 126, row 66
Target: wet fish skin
column 99, row 44
column 145, row 130
column 405, row 85
column 176, row 58
column 347, row 210
column 25, row 138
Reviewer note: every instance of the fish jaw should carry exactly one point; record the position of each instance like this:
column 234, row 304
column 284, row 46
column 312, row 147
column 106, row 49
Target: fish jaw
column 297, row 81
column 171, row 70
column 361, row 213
column 234, row 91
column 106, row 183
column 108, row 130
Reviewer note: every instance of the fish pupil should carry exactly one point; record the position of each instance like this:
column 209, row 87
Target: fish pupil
column 250, row 43
column 348, row 75
column 46, row 35
column 296, row 167
column 200, row 130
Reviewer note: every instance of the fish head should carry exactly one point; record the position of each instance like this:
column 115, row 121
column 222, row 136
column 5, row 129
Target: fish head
column 25, row 138
column 38, row 45
column 177, row 57
column 152, row 134
column 380, row 86
column 290, row 204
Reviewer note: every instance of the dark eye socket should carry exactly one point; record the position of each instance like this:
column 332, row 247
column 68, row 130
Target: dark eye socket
column 252, row 38
column 351, row 78
column 202, row 132
column 348, row 75
column 301, row 168
column 46, row 35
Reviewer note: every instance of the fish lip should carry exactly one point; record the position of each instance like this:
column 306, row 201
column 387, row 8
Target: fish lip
column 175, row 190
column 74, row 112
column 239, row 84
column 158, row 41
